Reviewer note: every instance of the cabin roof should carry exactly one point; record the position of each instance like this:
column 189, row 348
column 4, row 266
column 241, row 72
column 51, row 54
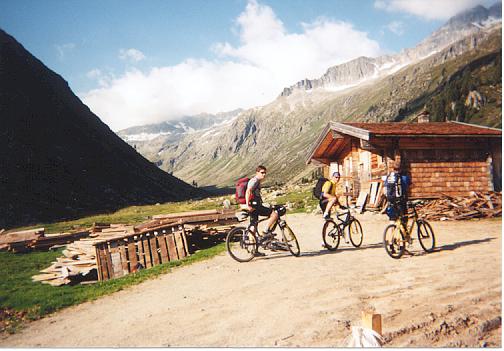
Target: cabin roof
column 423, row 129
column 334, row 132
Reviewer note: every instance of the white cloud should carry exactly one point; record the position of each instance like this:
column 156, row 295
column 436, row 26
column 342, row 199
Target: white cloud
column 428, row 9
column 63, row 49
column 133, row 55
column 267, row 59
column 396, row 27
column 94, row 73
column 103, row 79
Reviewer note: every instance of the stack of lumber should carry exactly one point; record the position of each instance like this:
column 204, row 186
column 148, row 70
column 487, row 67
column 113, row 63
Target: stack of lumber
column 20, row 241
column 476, row 205
column 79, row 262
column 36, row 239
column 79, row 257
column 198, row 216
column 47, row 241
column 212, row 221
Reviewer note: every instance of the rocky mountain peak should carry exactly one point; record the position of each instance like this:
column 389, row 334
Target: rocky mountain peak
column 358, row 70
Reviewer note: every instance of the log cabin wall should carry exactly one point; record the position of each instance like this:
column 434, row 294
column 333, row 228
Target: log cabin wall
column 451, row 172
column 496, row 155
column 446, row 165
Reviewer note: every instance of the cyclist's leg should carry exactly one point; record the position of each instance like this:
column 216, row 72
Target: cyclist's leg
column 267, row 212
column 330, row 203
column 323, row 204
column 273, row 217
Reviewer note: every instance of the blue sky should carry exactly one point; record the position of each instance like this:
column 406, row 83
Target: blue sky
column 136, row 62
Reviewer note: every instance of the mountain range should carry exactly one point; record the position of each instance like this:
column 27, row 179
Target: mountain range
column 57, row 159
column 462, row 57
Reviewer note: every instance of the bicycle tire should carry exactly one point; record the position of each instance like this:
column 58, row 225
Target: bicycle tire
column 331, row 235
column 291, row 241
column 236, row 245
column 393, row 248
column 425, row 232
column 356, row 239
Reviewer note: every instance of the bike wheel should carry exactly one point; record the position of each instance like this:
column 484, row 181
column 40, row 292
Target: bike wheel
column 241, row 244
column 393, row 240
column 331, row 234
column 291, row 241
column 355, row 232
column 426, row 235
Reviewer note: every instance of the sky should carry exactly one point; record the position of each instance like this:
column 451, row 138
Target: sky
column 140, row 62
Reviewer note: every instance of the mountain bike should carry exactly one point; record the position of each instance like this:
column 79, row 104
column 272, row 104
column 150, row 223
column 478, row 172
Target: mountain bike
column 332, row 231
column 242, row 243
column 397, row 235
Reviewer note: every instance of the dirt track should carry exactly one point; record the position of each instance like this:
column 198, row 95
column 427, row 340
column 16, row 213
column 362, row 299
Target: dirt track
column 451, row 297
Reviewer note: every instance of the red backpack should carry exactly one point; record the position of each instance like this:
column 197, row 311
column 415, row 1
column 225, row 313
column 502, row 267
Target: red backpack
column 241, row 189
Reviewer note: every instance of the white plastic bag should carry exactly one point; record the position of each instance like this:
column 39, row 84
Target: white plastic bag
column 364, row 337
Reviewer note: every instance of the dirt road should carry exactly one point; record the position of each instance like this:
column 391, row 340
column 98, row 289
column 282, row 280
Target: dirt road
column 451, row 297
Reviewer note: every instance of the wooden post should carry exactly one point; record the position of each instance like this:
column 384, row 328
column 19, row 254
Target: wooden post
column 372, row 320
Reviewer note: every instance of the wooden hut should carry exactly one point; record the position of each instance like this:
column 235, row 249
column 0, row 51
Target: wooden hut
column 450, row 158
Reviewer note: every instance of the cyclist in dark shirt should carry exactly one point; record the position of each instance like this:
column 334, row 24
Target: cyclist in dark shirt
column 254, row 201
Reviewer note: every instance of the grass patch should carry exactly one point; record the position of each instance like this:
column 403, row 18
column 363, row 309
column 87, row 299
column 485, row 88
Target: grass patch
column 21, row 299
column 302, row 200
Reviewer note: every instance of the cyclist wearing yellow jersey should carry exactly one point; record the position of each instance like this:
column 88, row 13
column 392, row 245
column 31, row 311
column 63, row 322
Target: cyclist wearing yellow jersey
column 329, row 197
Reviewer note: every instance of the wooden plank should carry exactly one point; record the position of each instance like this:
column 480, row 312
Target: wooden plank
column 172, row 248
column 372, row 321
column 164, row 249
column 99, row 263
column 108, row 261
column 123, row 248
column 361, row 200
column 140, row 250
column 184, row 214
column 184, row 239
column 154, row 249
column 132, row 254
column 147, row 249
column 180, row 244
column 373, row 192
column 115, row 258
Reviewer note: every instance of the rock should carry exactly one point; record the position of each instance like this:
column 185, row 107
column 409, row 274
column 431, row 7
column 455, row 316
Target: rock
column 491, row 324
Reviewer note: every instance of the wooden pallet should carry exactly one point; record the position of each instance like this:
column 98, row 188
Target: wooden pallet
column 120, row 256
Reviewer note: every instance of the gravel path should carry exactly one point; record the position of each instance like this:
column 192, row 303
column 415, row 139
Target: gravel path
column 451, row 297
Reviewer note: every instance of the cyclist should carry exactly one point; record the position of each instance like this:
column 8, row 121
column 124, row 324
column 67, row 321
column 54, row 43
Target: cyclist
column 328, row 196
column 254, row 202
column 396, row 187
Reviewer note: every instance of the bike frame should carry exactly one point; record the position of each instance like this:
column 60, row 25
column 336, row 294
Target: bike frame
column 343, row 222
column 404, row 227
column 279, row 222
